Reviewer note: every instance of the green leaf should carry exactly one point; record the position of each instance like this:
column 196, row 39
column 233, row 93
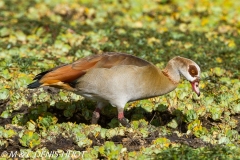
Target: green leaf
column 224, row 140
column 9, row 133
column 4, row 94
column 111, row 133
column 20, row 36
column 30, row 139
column 218, row 71
column 160, row 141
column 103, row 132
column 173, row 124
column 82, row 140
column 208, row 100
column 216, row 112
column 191, row 115
column 31, row 125
column 4, row 32
column 46, row 121
column 4, row 133
column 111, row 150
column 235, row 108
column 147, row 105
column 114, row 123
column 5, row 114
column 5, row 74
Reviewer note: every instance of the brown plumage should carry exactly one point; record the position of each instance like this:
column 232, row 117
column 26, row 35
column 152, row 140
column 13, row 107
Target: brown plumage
column 118, row 78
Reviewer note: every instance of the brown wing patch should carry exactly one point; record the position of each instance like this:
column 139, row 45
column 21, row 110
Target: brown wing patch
column 64, row 76
column 69, row 73
column 193, row 70
column 58, row 84
column 108, row 60
column 86, row 63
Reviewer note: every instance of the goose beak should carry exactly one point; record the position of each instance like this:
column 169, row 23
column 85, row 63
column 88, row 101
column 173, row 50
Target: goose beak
column 195, row 87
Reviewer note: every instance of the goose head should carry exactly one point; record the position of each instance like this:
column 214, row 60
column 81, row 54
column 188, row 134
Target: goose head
column 191, row 71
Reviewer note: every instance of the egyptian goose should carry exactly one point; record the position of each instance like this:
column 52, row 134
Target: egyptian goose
column 118, row 78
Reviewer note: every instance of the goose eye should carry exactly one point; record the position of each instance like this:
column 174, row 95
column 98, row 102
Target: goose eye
column 193, row 70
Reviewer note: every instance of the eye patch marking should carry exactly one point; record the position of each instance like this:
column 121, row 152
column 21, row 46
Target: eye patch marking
column 193, row 70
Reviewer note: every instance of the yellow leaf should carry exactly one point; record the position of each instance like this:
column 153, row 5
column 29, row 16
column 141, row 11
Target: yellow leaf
column 30, row 144
column 40, row 118
column 138, row 24
column 30, row 134
column 219, row 60
column 153, row 40
column 188, row 45
column 204, row 22
column 231, row 44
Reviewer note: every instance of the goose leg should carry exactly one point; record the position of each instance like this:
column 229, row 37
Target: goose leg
column 122, row 119
column 96, row 113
